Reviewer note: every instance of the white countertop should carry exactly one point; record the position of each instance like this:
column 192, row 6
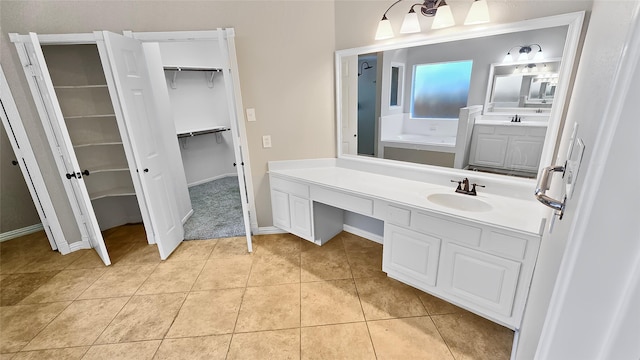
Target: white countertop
column 515, row 214
column 526, row 123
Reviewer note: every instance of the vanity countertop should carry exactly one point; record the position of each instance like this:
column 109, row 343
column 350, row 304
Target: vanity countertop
column 525, row 123
column 515, row 214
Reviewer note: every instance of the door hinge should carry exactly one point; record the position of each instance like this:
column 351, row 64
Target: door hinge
column 32, row 70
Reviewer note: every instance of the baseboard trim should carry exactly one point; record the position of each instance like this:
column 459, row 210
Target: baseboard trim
column 199, row 182
column 184, row 220
column 20, row 232
column 365, row 234
column 79, row 245
column 266, row 230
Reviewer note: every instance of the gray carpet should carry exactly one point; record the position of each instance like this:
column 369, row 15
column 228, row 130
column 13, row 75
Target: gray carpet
column 217, row 210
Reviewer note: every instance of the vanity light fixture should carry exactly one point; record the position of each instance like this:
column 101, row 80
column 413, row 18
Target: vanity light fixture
column 523, row 53
column 478, row 14
column 439, row 10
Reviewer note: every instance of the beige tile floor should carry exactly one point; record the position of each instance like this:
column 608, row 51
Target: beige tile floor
column 211, row 299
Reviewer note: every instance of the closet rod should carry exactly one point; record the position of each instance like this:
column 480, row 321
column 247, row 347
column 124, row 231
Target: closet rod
column 202, row 132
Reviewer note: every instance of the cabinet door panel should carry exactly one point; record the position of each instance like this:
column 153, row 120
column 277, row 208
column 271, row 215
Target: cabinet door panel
column 280, row 208
column 524, row 153
column 411, row 254
column 489, row 150
column 485, row 280
column 300, row 216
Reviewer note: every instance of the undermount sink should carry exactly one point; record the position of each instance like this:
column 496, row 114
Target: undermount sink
column 460, row 202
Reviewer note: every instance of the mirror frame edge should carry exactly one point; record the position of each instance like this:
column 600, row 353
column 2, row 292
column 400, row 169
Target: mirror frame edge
column 574, row 22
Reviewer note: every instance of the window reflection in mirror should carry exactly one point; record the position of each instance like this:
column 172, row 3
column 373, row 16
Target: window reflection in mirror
column 440, row 90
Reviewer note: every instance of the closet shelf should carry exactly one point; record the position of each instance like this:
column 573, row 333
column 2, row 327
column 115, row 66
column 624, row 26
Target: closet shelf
column 97, row 144
column 177, row 69
column 97, row 116
column 80, row 86
column 120, row 191
column 203, row 132
column 107, row 169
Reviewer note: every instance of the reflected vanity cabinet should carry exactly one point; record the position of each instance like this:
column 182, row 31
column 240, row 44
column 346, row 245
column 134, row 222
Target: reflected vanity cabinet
column 507, row 147
column 479, row 267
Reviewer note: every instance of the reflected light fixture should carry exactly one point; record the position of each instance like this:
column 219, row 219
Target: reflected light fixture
column 523, row 53
column 438, row 9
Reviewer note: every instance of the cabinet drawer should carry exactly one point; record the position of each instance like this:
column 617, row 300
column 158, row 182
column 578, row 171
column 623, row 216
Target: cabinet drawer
column 398, row 216
column 410, row 254
column 342, row 200
column 485, row 280
column 290, row 187
column 447, row 229
column 502, row 244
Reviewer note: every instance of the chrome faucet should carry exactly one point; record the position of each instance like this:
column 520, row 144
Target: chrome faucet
column 463, row 187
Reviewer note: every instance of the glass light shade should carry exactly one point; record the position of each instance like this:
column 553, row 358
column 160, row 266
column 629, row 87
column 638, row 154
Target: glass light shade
column 508, row 58
column 384, row 30
column 444, row 18
column 523, row 56
column 478, row 14
column 539, row 56
column 411, row 24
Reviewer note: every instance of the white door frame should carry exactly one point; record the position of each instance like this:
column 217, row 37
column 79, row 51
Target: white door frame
column 29, row 166
column 228, row 34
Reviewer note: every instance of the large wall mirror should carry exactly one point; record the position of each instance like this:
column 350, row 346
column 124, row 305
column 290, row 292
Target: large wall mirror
column 454, row 100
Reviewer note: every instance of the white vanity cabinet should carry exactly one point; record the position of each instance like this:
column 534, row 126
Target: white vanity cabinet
column 508, row 147
column 482, row 268
column 480, row 261
column 291, row 207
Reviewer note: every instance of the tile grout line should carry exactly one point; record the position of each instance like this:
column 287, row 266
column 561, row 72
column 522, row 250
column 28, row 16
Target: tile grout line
column 360, row 301
column 440, row 333
column 244, row 292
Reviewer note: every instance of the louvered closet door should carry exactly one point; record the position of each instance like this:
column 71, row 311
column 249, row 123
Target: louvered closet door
column 131, row 77
column 58, row 136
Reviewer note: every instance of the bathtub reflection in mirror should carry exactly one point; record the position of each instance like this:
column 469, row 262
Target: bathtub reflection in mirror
column 399, row 133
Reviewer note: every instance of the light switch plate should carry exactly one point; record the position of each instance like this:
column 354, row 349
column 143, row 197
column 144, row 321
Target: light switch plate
column 573, row 166
column 266, row 141
column 251, row 114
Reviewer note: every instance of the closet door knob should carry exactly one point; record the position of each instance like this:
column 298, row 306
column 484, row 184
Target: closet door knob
column 14, row 162
column 86, row 172
column 146, row 170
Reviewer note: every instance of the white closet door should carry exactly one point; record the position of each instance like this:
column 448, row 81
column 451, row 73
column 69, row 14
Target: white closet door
column 133, row 86
column 26, row 160
column 55, row 126
column 227, row 47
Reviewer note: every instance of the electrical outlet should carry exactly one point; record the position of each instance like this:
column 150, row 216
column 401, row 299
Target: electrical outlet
column 266, row 141
column 251, row 114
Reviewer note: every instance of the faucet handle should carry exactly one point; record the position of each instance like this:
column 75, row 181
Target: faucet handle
column 459, row 184
column 473, row 189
